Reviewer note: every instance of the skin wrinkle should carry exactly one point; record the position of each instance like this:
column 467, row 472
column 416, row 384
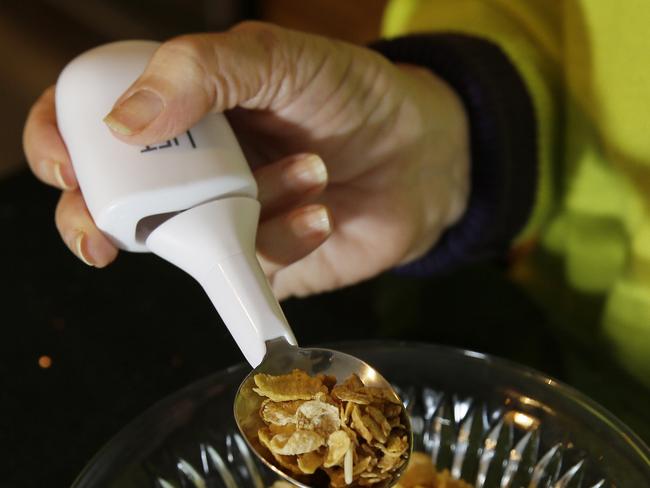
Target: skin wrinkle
column 265, row 92
column 343, row 104
column 391, row 120
column 284, row 93
column 377, row 114
column 368, row 81
column 221, row 90
column 304, row 87
column 208, row 85
column 369, row 93
column 378, row 128
column 345, row 78
column 399, row 109
column 278, row 76
column 371, row 86
column 328, row 99
column 205, row 54
column 270, row 96
column 348, row 133
column 225, row 89
column 369, row 76
column 388, row 126
column 314, row 56
column 263, row 96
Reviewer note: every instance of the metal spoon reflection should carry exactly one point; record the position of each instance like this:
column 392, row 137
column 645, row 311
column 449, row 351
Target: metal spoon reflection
column 281, row 358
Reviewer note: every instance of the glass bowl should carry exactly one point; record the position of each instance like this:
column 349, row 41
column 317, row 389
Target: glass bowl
column 490, row 422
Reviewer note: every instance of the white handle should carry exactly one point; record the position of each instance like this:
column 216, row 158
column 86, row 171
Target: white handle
column 215, row 243
column 123, row 184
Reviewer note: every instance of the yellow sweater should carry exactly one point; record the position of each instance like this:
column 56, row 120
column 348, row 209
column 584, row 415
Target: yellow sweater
column 587, row 68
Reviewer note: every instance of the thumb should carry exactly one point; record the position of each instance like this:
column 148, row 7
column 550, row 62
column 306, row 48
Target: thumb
column 191, row 75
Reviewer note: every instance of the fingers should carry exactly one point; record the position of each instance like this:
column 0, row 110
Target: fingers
column 43, row 146
column 290, row 237
column 286, row 182
column 253, row 65
column 49, row 160
column 290, row 227
column 79, row 232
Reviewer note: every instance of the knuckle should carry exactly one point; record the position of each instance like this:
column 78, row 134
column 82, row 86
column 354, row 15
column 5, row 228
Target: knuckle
column 185, row 62
column 252, row 26
column 185, row 56
column 263, row 34
column 272, row 50
column 188, row 45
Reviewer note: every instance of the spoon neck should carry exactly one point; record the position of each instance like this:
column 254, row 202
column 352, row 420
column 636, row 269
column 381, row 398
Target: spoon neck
column 280, row 346
column 215, row 243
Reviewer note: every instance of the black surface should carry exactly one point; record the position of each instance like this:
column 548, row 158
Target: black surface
column 124, row 337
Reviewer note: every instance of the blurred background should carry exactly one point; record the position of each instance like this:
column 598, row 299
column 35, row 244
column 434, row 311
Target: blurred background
column 84, row 351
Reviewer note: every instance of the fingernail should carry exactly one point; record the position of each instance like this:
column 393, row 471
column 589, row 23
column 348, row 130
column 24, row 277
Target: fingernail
column 62, row 176
column 79, row 249
column 309, row 171
column 135, row 113
column 312, row 220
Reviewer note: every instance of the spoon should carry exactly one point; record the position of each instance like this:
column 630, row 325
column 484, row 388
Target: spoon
column 283, row 357
column 191, row 200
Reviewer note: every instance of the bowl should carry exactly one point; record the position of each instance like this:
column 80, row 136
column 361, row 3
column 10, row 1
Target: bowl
column 489, row 421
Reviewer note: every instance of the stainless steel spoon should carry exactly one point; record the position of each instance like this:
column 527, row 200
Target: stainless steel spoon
column 283, row 357
column 195, row 206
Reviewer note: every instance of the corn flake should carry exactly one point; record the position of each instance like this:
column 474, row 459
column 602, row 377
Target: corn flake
column 351, row 432
column 318, row 416
column 300, row 442
column 421, row 473
column 297, row 385
column 310, row 461
column 279, row 413
column 338, row 444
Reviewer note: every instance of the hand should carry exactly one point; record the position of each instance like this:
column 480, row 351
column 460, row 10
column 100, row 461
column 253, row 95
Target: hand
column 393, row 138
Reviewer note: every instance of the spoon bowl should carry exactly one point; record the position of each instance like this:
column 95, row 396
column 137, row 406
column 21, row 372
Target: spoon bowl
column 282, row 358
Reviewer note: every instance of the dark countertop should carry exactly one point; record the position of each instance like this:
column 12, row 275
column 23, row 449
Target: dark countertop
column 124, row 337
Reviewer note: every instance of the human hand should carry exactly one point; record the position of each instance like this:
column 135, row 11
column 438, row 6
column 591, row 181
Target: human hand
column 393, row 138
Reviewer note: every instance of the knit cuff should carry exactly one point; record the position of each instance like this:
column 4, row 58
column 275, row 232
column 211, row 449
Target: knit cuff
column 503, row 138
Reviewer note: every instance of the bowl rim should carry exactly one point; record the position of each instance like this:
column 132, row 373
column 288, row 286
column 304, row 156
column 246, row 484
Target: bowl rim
column 144, row 420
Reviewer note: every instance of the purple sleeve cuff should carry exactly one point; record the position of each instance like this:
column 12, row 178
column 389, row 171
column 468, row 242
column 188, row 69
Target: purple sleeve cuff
column 503, row 135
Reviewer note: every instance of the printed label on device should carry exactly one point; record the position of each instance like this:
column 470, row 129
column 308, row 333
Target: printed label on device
column 171, row 143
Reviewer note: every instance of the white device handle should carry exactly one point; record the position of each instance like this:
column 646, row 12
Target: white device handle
column 154, row 198
column 124, row 185
column 215, row 243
